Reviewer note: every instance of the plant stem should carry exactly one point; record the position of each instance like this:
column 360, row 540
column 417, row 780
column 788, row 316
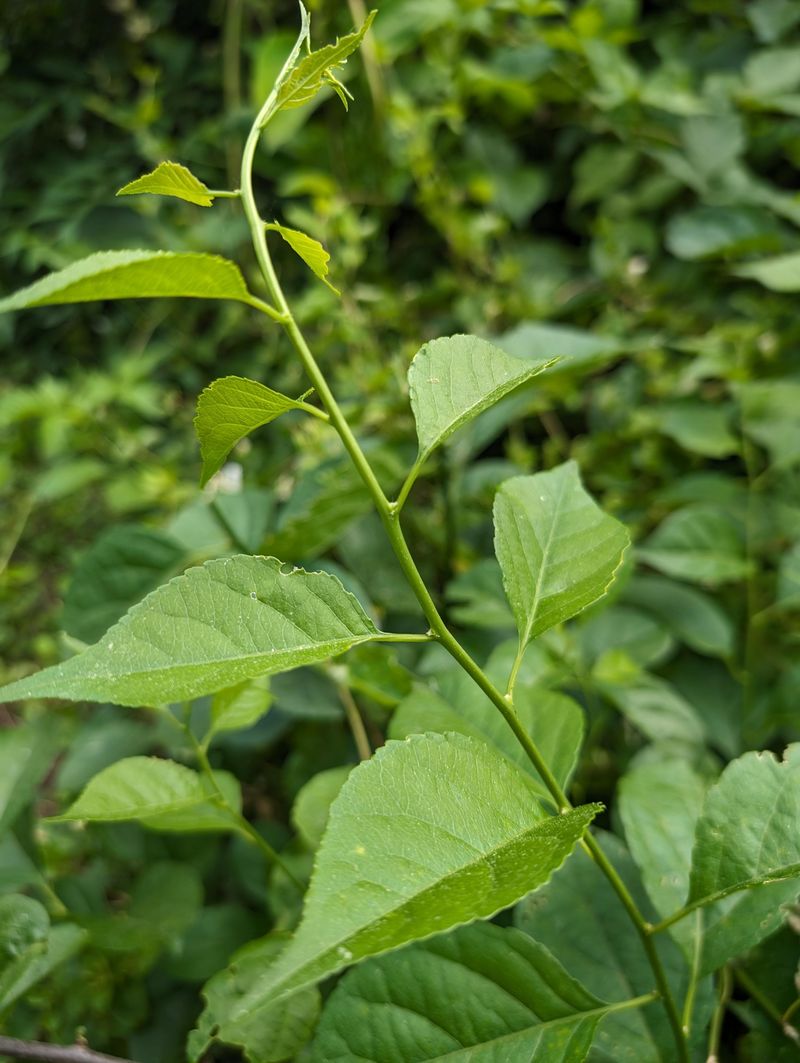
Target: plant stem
column 691, row 989
column 759, row 996
column 359, row 732
column 389, row 514
column 44, row 1053
column 725, row 989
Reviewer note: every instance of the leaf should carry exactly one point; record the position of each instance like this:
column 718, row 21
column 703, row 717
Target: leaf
column 312, row 806
column 209, row 816
column 137, row 788
column 769, row 415
column 117, row 570
column 692, row 616
column 699, row 543
column 465, row 840
column 654, row 707
column 715, row 231
column 236, row 708
column 270, row 1033
column 37, row 962
column 558, row 551
column 780, row 273
column 170, row 179
column 229, row 620
column 310, row 250
column 23, row 922
column 26, row 753
column 453, row 379
column 315, row 70
column 481, row 992
column 574, row 348
column 134, row 275
column 228, row 410
column 580, row 919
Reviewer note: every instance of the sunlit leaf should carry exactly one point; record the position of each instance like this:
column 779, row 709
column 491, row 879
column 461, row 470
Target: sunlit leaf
column 310, row 250
column 170, row 179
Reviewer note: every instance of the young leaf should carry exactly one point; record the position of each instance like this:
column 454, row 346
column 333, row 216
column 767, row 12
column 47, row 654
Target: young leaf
column 134, row 275
column 170, row 179
column 310, row 250
column 481, row 992
column 136, row 788
column 269, row 1033
column 453, row 379
column 229, row 620
column 430, row 833
column 228, row 410
column 558, row 551
column 315, row 70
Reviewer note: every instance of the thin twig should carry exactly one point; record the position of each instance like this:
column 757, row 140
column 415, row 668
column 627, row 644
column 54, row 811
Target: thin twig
column 44, row 1053
column 355, row 722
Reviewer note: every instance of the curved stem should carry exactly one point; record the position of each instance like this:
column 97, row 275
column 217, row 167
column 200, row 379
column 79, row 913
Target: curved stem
column 390, row 518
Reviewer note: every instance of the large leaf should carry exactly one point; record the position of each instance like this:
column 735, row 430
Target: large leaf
column 229, row 620
column 430, row 833
column 483, row 992
column 453, row 379
column 580, row 919
column 269, row 1033
column 747, row 838
column 170, row 179
column 558, row 551
column 134, row 275
column 117, row 571
column 228, row 410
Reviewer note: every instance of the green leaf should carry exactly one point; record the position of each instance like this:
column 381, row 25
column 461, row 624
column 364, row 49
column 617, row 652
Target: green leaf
column 134, row 275
column 698, row 543
column 692, row 616
column 310, row 250
column 712, row 231
column 229, row 620
column 228, row 410
column 581, row 920
column 117, row 570
column 312, row 806
column 209, row 816
column 780, row 273
column 453, row 379
column 769, row 415
column 23, row 922
column 430, row 833
column 481, row 992
column 26, row 753
column 170, row 179
column 574, row 348
column 315, row 70
column 238, row 707
column 653, row 706
column 138, row 788
column 558, row 551
column 38, row 961
column 271, row 1032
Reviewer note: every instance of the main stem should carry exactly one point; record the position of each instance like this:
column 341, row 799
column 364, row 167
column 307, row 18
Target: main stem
column 389, row 514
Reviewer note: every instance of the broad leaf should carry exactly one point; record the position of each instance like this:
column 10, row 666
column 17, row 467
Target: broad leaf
column 781, row 273
column 170, row 179
column 230, row 620
column 652, row 705
column 139, row 788
column 134, row 275
column 312, row 806
column 747, row 836
column 38, row 961
column 238, row 707
column 117, row 570
column 310, row 250
column 482, row 992
column 580, row 919
column 269, row 1033
column 430, row 833
column 228, row 410
column 699, row 543
column 315, row 70
column 209, row 816
column 558, row 551
column 453, row 379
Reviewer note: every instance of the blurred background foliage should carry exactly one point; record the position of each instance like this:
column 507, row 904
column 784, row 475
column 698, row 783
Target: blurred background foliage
column 614, row 182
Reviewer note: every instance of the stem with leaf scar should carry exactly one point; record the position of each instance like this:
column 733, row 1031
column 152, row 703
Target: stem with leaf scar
column 389, row 513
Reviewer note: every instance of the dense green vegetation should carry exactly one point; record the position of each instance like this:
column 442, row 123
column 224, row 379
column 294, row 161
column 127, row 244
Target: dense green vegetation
column 557, row 316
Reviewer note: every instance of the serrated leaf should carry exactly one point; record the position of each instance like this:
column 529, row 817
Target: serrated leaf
column 228, row 410
column 310, row 250
column 134, row 275
column 229, row 620
column 238, row 707
column 170, row 179
column 315, row 70
column 138, row 788
column 270, row 1033
column 558, row 551
column 482, row 992
column 430, row 833
column 454, row 378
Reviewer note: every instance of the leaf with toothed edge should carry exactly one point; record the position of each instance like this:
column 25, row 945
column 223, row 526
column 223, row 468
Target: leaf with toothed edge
column 212, row 627
column 170, row 179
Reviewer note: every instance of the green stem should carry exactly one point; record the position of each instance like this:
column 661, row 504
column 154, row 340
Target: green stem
column 224, row 193
column 356, row 724
column 715, row 1033
column 694, row 972
column 759, row 996
column 390, row 518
